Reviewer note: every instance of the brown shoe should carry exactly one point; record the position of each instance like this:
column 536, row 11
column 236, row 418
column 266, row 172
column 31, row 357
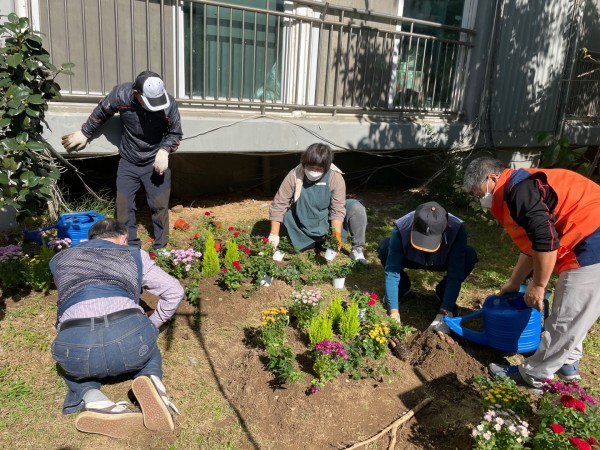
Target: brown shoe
column 154, row 403
column 116, row 425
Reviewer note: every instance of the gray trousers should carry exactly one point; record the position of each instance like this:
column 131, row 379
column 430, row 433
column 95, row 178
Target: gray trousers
column 356, row 223
column 575, row 308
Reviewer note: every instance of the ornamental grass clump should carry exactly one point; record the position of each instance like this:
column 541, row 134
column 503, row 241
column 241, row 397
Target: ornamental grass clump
column 12, row 266
column 210, row 263
column 320, row 329
column 305, row 306
column 350, row 323
column 272, row 328
column 501, row 430
column 568, row 418
column 329, row 358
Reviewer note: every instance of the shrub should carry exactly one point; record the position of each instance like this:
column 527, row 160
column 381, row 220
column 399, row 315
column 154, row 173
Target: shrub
column 568, row 417
column 335, row 310
column 350, row 323
column 232, row 253
column 232, row 276
column 329, row 357
column 281, row 363
column 210, row 263
column 501, row 429
column 305, row 306
column 320, row 329
column 273, row 323
column 38, row 275
column 12, row 266
column 331, row 241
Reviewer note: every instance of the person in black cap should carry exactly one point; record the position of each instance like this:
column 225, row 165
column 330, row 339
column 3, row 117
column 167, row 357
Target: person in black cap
column 431, row 239
column 151, row 130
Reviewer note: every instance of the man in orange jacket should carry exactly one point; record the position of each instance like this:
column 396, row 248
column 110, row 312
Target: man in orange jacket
column 552, row 216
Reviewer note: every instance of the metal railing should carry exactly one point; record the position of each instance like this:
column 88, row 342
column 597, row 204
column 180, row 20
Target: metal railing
column 583, row 102
column 291, row 55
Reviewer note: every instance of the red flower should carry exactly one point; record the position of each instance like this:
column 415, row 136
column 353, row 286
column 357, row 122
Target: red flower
column 207, row 213
column 243, row 231
column 365, row 292
column 197, row 235
column 557, row 428
column 579, row 443
column 247, row 251
column 240, row 246
column 236, row 234
column 265, row 239
column 230, row 229
column 592, row 441
column 371, row 302
column 151, row 240
column 224, row 269
column 567, row 401
column 237, row 265
column 374, row 296
column 580, row 406
column 152, row 255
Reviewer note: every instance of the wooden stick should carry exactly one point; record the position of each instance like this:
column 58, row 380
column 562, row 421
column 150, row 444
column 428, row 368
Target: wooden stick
column 394, row 424
column 393, row 439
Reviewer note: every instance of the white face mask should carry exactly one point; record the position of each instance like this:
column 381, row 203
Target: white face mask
column 486, row 200
column 313, row 175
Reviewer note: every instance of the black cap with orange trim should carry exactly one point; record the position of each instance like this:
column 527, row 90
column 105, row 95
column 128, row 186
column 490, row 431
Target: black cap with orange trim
column 429, row 224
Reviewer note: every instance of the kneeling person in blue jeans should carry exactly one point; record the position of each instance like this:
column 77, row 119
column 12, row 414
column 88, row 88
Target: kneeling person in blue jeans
column 429, row 239
column 103, row 332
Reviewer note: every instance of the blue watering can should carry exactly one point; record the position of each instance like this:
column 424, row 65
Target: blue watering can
column 509, row 325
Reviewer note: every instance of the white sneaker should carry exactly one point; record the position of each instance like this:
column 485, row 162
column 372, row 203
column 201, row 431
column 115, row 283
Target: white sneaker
column 358, row 256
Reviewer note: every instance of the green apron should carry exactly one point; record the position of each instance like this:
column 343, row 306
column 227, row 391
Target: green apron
column 307, row 221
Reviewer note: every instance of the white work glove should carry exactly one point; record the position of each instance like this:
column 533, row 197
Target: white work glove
column 161, row 162
column 274, row 240
column 74, row 142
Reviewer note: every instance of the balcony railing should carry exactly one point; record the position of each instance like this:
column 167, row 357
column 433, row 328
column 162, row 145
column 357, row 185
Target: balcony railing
column 290, row 55
column 583, row 102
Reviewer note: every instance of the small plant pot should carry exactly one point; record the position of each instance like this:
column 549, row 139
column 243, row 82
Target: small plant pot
column 266, row 280
column 330, row 254
column 338, row 283
column 278, row 256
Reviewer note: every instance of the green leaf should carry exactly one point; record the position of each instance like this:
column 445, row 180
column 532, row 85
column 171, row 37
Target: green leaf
column 4, row 122
column 550, row 155
column 580, row 150
column 16, row 112
column 11, row 27
column 11, row 144
column 542, row 136
column 14, row 60
column 29, row 178
column 3, row 178
column 13, row 18
column 32, row 112
column 9, row 163
column 35, row 145
column 68, row 65
column 14, row 103
column 36, row 99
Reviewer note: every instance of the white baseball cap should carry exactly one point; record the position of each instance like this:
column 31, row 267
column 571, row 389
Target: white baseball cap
column 152, row 91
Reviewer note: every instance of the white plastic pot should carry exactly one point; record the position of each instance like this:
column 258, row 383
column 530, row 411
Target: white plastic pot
column 278, row 255
column 338, row 283
column 330, row 254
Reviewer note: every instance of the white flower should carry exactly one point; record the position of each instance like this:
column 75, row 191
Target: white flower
column 475, row 433
column 480, row 427
column 487, row 435
column 488, row 417
column 499, row 420
column 498, row 427
column 512, row 429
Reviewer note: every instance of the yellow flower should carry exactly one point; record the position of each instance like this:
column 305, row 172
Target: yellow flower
column 263, row 323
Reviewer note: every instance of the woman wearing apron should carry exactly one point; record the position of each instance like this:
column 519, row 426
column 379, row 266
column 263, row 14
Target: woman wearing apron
column 312, row 199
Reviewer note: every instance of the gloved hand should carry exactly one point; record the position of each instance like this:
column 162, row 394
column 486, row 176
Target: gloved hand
column 439, row 327
column 274, row 240
column 74, row 142
column 338, row 236
column 161, row 162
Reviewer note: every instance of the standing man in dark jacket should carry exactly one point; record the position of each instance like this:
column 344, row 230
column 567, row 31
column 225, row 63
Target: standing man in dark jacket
column 151, row 129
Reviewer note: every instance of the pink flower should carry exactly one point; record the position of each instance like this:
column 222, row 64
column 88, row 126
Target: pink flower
column 314, row 389
column 579, row 443
column 557, row 428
